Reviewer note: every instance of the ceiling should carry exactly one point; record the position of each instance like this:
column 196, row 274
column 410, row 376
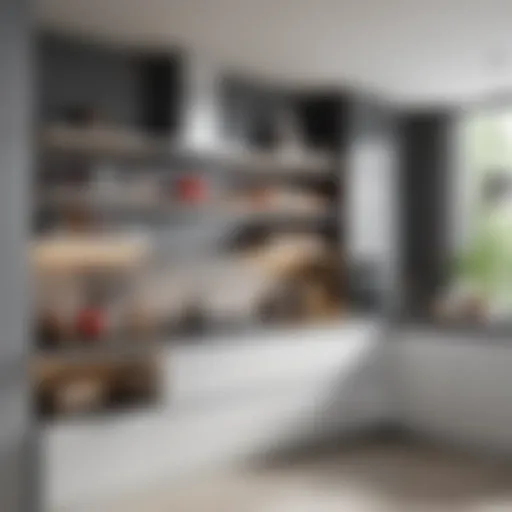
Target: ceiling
column 414, row 51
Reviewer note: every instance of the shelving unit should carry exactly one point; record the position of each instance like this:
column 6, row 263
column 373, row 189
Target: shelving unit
column 86, row 253
column 94, row 351
column 116, row 209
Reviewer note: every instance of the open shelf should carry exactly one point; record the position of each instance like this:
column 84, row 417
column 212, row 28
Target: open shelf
column 271, row 204
column 70, row 387
column 115, row 144
column 82, row 253
column 86, row 348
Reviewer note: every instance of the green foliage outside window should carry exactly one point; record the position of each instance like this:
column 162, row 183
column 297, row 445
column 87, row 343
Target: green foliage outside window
column 486, row 263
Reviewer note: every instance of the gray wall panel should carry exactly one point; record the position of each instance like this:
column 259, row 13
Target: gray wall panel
column 14, row 178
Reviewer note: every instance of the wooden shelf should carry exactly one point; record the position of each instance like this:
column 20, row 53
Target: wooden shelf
column 119, row 211
column 99, row 142
column 72, row 253
column 93, row 350
column 91, row 143
column 278, row 214
column 77, row 387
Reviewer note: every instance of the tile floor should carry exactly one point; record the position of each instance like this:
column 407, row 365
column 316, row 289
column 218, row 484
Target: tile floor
column 370, row 478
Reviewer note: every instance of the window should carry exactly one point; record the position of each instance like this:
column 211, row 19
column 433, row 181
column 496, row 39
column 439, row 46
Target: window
column 480, row 284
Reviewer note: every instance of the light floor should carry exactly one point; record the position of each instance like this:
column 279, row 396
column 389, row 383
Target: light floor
column 372, row 478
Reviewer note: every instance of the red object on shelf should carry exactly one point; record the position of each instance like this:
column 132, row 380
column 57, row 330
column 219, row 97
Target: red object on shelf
column 191, row 189
column 91, row 323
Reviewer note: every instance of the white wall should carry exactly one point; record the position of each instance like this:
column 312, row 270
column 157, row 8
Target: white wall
column 223, row 402
column 456, row 388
